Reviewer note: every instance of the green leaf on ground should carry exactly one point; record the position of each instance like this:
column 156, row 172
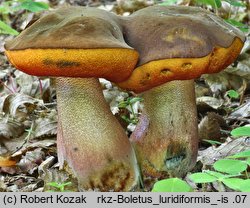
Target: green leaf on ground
column 243, row 154
column 245, row 186
column 6, row 29
column 202, row 177
column 233, row 94
column 171, row 185
column 233, row 183
column 34, row 6
column 230, row 166
column 235, row 23
column 241, row 131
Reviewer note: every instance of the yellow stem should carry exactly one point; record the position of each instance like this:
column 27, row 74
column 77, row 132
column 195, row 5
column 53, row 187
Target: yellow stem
column 90, row 139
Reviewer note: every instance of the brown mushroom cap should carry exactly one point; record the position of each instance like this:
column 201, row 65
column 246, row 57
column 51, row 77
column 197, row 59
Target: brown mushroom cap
column 178, row 43
column 74, row 42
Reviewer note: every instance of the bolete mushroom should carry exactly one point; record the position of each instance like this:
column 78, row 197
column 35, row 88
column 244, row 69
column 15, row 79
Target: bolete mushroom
column 176, row 44
column 78, row 45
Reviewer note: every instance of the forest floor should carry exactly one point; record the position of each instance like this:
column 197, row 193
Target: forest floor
column 28, row 114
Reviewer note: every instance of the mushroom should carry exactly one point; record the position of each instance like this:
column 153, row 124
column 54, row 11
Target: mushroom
column 77, row 46
column 176, row 44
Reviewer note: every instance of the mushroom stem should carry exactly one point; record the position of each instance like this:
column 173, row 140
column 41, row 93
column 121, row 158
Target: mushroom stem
column 90, row 140
column 165, row 139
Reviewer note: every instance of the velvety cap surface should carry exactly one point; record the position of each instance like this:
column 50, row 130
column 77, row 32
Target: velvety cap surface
column 71, row 27
column 177, row 43
column 161, row 32
column 74, row 42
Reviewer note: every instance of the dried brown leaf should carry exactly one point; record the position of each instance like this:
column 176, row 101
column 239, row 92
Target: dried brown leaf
column 201, row 90
column 243, row 68
column 45, row 127
column 242, row 112
column 32, row 186
column 22, row 183
column 6, row 162
column 45, row 144
column 221, row 82
column 210, row 101
column 45, row 165
column 11, row 129
column 58, row 176
column 31, row 160
column 14, row 102
column 131, row 6
column 210, row 127
column 3, row 186
column 33, row 86
column 212, row 154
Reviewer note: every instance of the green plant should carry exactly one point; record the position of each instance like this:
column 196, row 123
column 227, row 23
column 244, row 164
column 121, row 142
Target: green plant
column 212, row 142
column 6, row 29
column 228, row 171
column 213, row 3
column 9, row 7
column 31, row 6
column 238, row 24
column 241, row 155
column 241, row 131
column 233, row 94
column 60, row 187
column 231, row 171
column 172, row 185
column 128, row 103
column 168, row 2
column 230, row 166
column 216, row 4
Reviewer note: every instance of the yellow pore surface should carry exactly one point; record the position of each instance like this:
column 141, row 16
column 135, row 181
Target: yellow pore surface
column 114, row 64
column 158, row 72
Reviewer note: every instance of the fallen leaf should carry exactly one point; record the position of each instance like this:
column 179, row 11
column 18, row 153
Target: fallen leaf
column 242, row 112
column 212, row 154
column 242, row 69
column 221, row 82
column 6, row 162
column 45, row 127
column 210, row 127
column 213, row 102
column 33, row 86
column 13, row 102
column 31, row 160
column 11, row 129
column 45, row 144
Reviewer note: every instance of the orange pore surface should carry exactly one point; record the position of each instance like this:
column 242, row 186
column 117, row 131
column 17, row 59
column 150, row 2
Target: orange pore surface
column 158, row 72
column 114, row 64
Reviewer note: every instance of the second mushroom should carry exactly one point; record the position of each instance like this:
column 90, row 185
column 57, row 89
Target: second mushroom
column 176, row 44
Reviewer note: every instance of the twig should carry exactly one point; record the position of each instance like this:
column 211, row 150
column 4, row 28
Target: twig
column 27, row 138
column 40, row 87
column 2, row 83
